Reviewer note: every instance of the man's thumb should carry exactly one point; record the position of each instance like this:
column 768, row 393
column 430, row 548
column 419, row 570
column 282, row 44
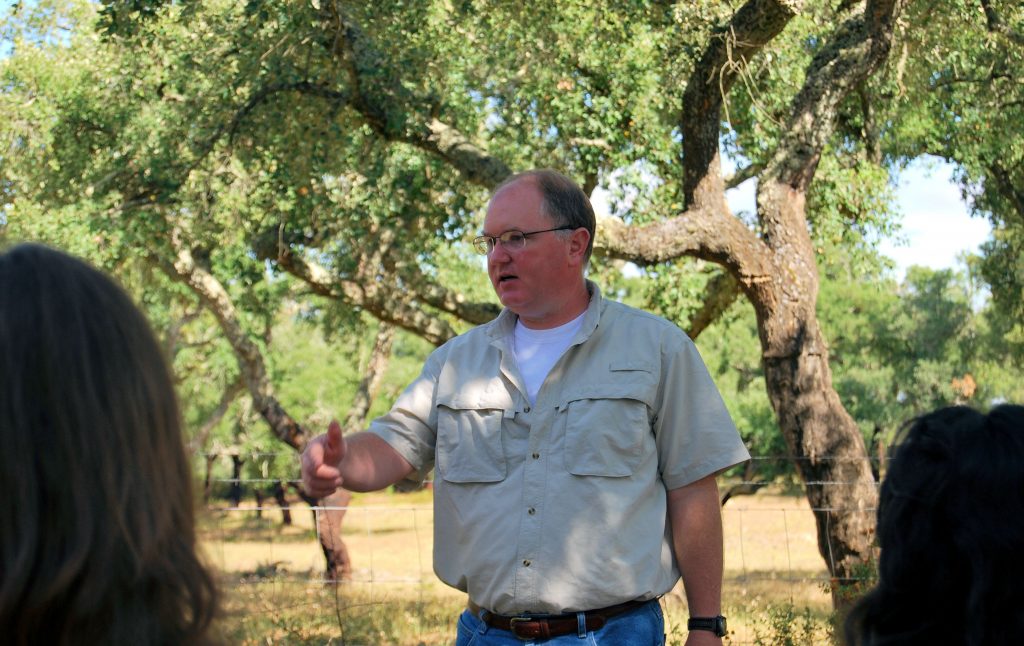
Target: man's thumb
column 335, row 443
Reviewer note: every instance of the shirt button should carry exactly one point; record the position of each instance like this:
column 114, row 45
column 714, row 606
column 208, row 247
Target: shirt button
column 526, row 562
column 526, row 410
column 531, row 511
column 536, row 456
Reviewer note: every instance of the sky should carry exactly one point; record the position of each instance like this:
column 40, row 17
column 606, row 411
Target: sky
column 936, row 221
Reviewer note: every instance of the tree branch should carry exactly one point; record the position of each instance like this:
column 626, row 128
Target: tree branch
column 172, row 336
column 454, row 303
column 262, row 94
column 720, row 292
column 997, row 26
column 755, row 24
column 1005, row 187
column 372, row 377
column 972, row 80
column 231, row 391
column 743, row 174
column 214, row 297
column 476, row 164
column 872, row 142
column 359, row 56
column 707, row 234
column 706, row 229
column 856, row 49
column 383, row 307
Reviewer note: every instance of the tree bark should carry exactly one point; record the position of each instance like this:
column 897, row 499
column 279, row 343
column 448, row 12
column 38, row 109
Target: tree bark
column 380, row 303
column 207, row 480
column 235, row 492
column 328, row 514
column 826, row 443
column 215, row 298
column 282, row 502
column 373, row 375
column 202, row 436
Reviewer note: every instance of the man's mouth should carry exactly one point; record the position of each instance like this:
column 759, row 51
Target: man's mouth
column 504, row 277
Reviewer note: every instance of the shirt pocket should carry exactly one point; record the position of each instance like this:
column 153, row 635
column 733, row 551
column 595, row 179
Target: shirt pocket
column 608, row 425
column 469, row 447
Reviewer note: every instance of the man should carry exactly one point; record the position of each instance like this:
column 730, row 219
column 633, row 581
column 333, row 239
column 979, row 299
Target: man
column 576, row 443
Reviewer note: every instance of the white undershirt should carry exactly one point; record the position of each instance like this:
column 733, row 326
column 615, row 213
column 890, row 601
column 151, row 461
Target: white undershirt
column 537, row 351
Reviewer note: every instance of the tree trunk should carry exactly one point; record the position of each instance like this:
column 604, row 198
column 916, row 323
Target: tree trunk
column 207, row 478
column 282, row 502
column 328, row 514
column 830, row 457
column 823, row 440
column 235, row 495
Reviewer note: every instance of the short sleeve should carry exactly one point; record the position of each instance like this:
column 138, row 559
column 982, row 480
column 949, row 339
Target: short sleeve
column 693, row 431
column 410, row 427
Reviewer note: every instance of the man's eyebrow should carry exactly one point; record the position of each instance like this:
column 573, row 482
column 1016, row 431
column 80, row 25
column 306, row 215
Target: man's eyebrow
column 498, row 235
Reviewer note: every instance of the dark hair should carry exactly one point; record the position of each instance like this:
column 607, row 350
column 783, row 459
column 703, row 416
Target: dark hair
column 97, row 531
column 951, row 534
column 565, row 203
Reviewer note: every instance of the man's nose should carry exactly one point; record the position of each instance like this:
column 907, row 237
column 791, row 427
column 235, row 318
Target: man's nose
column 498, row 254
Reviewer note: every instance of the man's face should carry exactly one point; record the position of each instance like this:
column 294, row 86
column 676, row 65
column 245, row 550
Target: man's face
column 531, row 281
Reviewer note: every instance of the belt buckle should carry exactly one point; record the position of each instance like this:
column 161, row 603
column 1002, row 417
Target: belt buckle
column 513, row 622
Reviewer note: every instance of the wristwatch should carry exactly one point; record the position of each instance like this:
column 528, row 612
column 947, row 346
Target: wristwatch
column 712, row 624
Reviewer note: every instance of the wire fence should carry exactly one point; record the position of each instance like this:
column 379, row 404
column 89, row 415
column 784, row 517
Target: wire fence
column 271, row 556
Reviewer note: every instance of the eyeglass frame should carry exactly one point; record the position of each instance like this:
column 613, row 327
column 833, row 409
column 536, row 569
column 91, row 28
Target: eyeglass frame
column 492, row 241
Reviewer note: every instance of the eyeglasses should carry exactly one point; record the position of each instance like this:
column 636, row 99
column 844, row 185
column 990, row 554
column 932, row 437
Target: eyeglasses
column 511, row 240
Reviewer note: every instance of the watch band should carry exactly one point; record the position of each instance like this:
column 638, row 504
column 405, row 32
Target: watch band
column 711, row 624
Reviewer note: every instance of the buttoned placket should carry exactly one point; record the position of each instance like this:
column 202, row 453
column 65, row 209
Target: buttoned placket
column 530, row 524
column 532, row 510
column 540, row 420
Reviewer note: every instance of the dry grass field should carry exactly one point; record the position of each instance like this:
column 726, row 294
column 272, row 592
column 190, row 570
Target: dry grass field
column 774, row 580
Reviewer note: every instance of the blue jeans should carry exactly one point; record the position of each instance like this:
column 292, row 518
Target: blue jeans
column 643, row 626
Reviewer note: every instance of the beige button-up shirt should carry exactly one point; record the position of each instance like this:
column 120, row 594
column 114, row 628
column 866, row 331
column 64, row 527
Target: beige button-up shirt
column 561, row 506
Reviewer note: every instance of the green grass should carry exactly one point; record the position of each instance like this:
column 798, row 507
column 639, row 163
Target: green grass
column 289, row 610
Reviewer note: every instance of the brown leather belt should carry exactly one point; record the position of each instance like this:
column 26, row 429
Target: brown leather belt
column 528, row 627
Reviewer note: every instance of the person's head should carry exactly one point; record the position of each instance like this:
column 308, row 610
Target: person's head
column 950, row 533
column 97, row 534
column 542, row 280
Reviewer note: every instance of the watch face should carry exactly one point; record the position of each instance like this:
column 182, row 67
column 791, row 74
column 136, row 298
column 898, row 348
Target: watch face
column 720, row 628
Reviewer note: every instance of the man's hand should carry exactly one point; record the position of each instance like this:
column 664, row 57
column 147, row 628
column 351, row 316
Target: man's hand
column 321, row 460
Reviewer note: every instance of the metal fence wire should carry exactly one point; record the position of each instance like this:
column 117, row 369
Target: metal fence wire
column 774, row 572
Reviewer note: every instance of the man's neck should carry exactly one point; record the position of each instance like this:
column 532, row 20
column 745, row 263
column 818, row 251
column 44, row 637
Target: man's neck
column 575, row 304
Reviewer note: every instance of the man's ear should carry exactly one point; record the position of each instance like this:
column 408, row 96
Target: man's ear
column 578, row 243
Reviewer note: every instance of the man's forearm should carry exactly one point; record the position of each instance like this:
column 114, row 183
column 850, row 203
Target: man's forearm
column 696, row 518
column 370, row 464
